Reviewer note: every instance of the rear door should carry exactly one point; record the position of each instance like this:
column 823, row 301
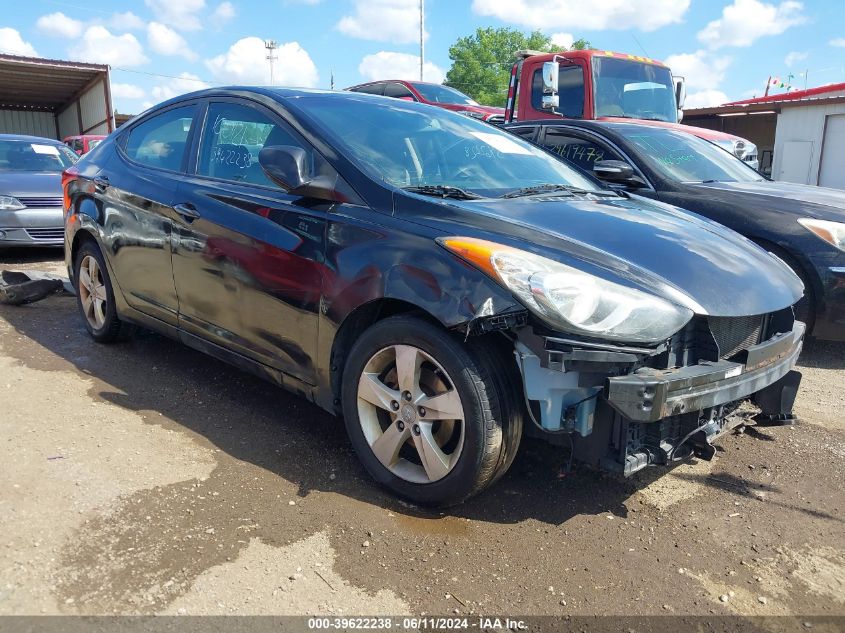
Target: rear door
column 248, row 257
column 139, row 185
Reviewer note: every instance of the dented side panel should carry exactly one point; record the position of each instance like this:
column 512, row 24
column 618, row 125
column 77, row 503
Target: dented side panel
column 370, row 255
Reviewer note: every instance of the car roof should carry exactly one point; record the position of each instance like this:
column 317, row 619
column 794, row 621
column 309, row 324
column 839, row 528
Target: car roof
column 277, row 94
column 624, row 127
column 28, row 139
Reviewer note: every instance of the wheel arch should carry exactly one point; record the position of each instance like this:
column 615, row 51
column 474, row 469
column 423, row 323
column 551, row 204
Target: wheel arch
column 359, row 320
column 794, row 260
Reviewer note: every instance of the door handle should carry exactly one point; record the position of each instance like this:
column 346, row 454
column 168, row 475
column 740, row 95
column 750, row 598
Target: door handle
column 101, row 183
column 187, row 211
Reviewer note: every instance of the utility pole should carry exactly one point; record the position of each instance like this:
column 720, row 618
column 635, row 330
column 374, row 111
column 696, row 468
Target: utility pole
column 422, row 38
column 271, row 46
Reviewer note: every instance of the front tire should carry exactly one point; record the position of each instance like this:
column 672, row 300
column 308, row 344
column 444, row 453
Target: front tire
column 95, row 297
column 433, row 419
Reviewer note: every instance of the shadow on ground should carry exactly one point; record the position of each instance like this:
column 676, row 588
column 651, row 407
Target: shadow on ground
column 256, row 422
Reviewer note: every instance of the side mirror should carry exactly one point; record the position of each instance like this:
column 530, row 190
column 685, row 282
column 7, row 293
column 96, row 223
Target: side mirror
column 285, row 165
column 551, row 76
column 290, row 168
column 616, row 171
column 680, row 91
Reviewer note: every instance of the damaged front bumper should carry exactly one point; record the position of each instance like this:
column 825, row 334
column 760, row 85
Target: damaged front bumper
column 649, row 395
column 626, row 415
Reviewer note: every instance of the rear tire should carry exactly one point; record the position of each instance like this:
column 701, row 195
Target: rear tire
column 95, row 297
column 433, row 419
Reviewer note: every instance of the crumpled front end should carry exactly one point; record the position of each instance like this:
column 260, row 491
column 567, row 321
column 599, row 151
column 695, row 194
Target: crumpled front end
column 629, row 407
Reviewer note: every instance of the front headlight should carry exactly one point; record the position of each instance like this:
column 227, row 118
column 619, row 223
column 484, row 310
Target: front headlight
column 8, row 203
column 474, row 115
column 831, row 232
column 571, row 299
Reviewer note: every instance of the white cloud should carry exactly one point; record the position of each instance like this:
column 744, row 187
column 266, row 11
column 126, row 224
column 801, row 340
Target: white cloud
column 646, row 15
column 794, row 57
column 705, row 99
column 127, row 91
column 12, row 43
column 839, row 41
column 745, row 21
column 224, row 12
column 564, row 40
column 99, row 46
column 701, row 69
column 390, row 65
column 395, row 21
column 180, row 14
column 246, row 62
column 185, row 82
column 165, row 41
column 59, row 25
column 126, row 21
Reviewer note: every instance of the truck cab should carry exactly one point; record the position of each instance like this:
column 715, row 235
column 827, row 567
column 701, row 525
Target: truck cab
column 603, row 85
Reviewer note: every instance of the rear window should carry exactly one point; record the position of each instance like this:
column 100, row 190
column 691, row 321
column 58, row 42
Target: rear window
column 160, row 141
column 21, row 155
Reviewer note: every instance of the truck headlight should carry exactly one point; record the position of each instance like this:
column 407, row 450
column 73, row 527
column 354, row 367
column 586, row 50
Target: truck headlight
column 8, row 203
column 571, row 299
column 831, row 232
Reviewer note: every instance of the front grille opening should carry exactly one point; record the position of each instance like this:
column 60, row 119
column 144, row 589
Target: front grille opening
column 46, row 234
column 735, row 334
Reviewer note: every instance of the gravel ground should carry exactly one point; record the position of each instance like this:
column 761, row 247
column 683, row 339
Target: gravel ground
column 147, row 478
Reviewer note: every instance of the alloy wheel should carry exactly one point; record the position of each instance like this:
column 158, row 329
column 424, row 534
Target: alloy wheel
column 411, row 414
column 92, row 292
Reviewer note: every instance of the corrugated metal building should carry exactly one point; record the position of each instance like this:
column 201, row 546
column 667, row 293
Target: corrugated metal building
column 800, row 135
column 54, row 98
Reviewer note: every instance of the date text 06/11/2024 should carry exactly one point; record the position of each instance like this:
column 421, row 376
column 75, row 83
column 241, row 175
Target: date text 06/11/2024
column 420, row 623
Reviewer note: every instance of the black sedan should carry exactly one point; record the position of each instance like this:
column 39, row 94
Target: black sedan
column 801, row 224
column 433, row 279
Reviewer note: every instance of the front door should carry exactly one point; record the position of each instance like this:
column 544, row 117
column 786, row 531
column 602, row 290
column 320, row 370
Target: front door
column 248, row 257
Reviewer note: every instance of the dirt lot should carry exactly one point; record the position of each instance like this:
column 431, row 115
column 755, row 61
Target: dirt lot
column 147, row 478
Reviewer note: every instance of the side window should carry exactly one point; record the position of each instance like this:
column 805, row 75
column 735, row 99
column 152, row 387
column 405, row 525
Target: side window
column 233, row 136
column 528, row 133
column 160, row 141
column 581, row 152
column 398, row 91
column 570, row 91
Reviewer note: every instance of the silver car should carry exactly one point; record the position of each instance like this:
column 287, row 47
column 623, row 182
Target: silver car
column 31, row 190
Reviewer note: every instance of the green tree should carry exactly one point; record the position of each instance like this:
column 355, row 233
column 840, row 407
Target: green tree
column 481, row 63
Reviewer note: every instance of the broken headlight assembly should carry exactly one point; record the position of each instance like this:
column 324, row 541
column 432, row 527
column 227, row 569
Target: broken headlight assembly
column 831, row 232
column 573, row 300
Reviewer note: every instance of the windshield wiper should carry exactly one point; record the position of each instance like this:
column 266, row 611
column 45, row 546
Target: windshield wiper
column 552, row 188
column 443, row 191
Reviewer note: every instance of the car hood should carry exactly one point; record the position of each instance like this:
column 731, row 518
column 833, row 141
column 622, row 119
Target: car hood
column 782, row 197
column 637, row 242
column 31, row 183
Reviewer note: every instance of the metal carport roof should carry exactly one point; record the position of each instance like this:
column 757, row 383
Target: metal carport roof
column 45, row 85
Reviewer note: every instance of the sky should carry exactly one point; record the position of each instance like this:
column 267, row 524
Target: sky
column 726, row 49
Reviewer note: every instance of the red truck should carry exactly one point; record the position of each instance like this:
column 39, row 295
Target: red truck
column 604, row 85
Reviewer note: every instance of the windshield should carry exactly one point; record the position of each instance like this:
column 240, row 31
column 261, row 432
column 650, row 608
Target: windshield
column 443, row 94
column 626, row 88
column 411, row 145
column 19, row 155
column 686, row 158
column 93, row 143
